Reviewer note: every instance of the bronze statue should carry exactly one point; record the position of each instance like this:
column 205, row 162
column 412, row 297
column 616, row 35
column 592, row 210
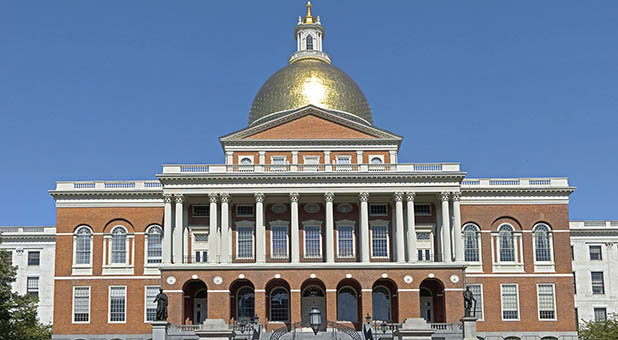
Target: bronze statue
column 161, row 301
column 469, row 303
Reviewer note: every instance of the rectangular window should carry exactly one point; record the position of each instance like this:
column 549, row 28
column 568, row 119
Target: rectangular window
column 547, row 301
column 34, row 258
column 201, row 237
column 600, row 314
column 344, row 159
column 277, row 160
column 81, row 304
column 201, row 210
column 117, row 304
column 149, row 304
column 574, row 284
column 345, row 241
column 510, row 302
column 313, row 242
column 595, row 253
column 201, row 256
column 244, row 210
column 245, row 242
column 422, row 209
column 378, row 209
column 279, row 242
column 379, row 241
column 477, row 291
column 155, row 250
column 598, row 285
column 32, row 286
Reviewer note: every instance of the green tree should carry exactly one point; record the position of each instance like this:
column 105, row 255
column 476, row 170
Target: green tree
column 18, row 319
column 600, row 330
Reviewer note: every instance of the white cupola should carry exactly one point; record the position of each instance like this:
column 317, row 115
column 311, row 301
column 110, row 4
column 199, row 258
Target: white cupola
column 309, row 35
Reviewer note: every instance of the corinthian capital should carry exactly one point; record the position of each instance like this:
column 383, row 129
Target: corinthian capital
column 443, row 196
column 167, row 198
column 329, row 196
column 259, row 197
column 363, row 196
column 225, row 197
column 179, row 198
column 213, row 198
column 456, row 196
column 294, row 197
column 410, row 196
column 398, row 196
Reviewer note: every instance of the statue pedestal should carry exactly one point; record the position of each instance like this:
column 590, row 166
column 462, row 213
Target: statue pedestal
column 214, row 329
column 469, row 327
column 414, row 329
column 159, row 330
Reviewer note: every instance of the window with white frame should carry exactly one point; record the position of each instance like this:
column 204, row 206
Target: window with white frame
column 422, row 209
column 154, row 248
column 471, row 243
column 595, row 253
column 313, row 241
column 344, row 159
column 245, row 242
column 119, row 245
column 277, row 160
column 309, row 42
column 598, row 284
column 117, row 303
column 150, row 306
column 379, row 241
column 600, row 314
column 507, row 243
column 246, row 161
column 542, row 243
column 477, row 292
column 546, row 301
column 510, row 301
column 244, row 210
column 378, row 209
column 83, row 246
column 34, row 258
column 200, row 211
column 32, row 286
column 81, row 304
column 345, row 241
column 279, row 242
column 376, row 160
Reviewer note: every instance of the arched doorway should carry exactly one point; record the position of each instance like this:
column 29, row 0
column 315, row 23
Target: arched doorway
column 195, row 302
column 242, row 300
column 432, row 301
column 384, row 301
column 278, row 301
column 349, row 302
column 313, row 293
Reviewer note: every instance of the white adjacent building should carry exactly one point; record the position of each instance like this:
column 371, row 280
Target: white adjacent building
column 32, row 250
column 594, row 248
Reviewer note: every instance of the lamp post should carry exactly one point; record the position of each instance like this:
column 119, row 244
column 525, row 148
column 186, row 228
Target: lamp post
column 315, row 319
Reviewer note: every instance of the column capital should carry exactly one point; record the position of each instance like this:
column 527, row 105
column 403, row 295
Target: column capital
column 225, row 197
column 444, row 196
column 213, row 198
column 456, row 196
column 363, row 196
column 398, row 196
column 410, row 196
column 294, row 197
column 329, row 197
column 259, row 197
column 179, row 198
column 167, row 198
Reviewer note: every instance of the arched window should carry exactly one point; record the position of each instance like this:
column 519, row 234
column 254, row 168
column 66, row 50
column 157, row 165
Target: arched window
column 246, row 161
column 309, row 42
column 507, row 243
column 381, row 303
column 376, row 160
column 279, row 305
column 347, row 305
column 245, row 303
column 471, row 243
column 542, row 243
column 83, row 245
column 119, row 245
column 153, row 244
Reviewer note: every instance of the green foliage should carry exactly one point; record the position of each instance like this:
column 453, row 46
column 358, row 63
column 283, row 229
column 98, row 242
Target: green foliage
column 18, row 319
column 600, row 330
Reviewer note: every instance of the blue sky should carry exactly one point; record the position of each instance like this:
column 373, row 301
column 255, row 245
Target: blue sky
column 114, row 89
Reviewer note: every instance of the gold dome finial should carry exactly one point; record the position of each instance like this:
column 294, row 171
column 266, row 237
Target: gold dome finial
column 308, row 19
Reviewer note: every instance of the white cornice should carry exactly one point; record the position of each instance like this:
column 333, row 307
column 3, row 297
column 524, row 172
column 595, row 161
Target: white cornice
column 314, row 265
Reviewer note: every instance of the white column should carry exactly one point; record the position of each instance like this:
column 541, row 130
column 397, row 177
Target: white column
column 262, row 157
column 393, row 157
column 401, row 254
column 330, row 229
column 178, row 229
column 229, row 157
column 167, row 229
column 294, row 166
column 411, row 235
column 364, row 230
column 458, row 242
column 213, row 242
column 294, row 243
column 446, row 228
column 359, row 157
column 225, row 229
column 260, row 231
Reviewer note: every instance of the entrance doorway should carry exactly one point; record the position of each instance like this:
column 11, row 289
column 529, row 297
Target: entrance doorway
column 432, row 301
column 313, row 295
column 199, row 307
column 426, row 305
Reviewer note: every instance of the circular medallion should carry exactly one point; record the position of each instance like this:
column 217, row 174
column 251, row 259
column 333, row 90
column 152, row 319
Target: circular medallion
column 349, row 276
column 454, row 278
column 170, row 280
column 431, row 275
column 241, row 276
column 311, row 208
column 384, row 275
column 313, row 276
column 344, row 208
column 194, row 276
column 217, row 280
column 279, row 208
column 277, row 276
column 407, row 279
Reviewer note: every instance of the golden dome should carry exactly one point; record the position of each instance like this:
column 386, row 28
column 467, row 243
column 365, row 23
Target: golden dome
column 310, row 81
